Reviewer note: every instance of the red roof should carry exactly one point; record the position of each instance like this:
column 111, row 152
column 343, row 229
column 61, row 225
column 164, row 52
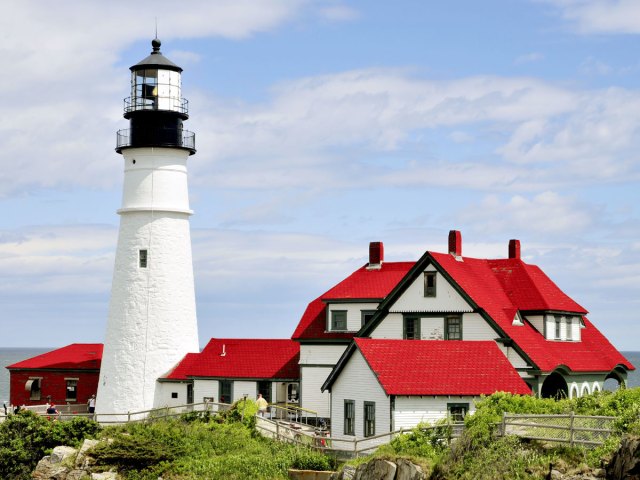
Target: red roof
column 242, row 358
column 503, row 287
column 440, row 367
column 77, row 356
column 363, row 284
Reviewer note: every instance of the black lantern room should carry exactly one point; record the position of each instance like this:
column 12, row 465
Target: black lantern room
column 156, row 109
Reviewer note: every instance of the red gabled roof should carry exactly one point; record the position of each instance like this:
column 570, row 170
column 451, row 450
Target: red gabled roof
column 363, row 284
column 440, row 367
column 77, row 356
column 503, row 287
column 242, row 358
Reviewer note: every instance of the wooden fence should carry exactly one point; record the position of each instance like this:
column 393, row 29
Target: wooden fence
column 573, row 429
column 343, row 447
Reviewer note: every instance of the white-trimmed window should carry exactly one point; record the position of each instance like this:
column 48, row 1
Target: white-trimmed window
column 429, row 284
column 339, row 320
column 349, row 417
column 143, row 258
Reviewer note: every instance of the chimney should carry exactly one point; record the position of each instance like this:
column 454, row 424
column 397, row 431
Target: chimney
column 514, row 249
column 376, row 254
column 455, row 243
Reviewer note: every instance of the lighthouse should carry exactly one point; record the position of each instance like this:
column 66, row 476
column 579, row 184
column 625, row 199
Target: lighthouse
column 152, row 321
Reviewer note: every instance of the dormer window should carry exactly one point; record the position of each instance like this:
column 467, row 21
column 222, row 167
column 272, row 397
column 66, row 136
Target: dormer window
column 570, row 328
column 339, row 320
column 429, row 284
column 558, row 325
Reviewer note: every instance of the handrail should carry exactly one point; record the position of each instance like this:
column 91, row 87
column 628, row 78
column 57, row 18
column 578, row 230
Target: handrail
column 158, row 102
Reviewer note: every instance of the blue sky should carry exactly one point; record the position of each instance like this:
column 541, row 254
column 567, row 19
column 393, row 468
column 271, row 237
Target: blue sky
column 322, row 126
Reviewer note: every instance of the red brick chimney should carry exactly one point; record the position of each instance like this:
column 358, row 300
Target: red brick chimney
column 455, row 243
column 514, row 249
column 376, row 253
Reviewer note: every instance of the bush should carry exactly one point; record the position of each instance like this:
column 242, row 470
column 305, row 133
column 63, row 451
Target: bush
column 26, row 437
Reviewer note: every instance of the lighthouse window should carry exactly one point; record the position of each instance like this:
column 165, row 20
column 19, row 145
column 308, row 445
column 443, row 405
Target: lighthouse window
column 143, row 259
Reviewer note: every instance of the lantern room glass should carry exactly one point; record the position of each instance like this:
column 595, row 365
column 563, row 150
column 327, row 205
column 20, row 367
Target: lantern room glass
column 156, row 89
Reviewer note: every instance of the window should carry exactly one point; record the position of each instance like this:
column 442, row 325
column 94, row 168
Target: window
column 226, row 391
column 349, row 417
column 369, row 419
column 366, row 315
column 34, row 388
column 429, row 284
column 411, row 328
column 72, row 389
column 339, row 320
column 143, row 259
column 453, row 328
column 174, row 394
column 558, row 324
column 569, row 328
column 457, row 411
column 264, row 387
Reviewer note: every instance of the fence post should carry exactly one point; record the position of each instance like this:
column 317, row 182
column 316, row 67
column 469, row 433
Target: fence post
column 504, row 423
column 571, row 431
column 277, row 431
column 355, row 447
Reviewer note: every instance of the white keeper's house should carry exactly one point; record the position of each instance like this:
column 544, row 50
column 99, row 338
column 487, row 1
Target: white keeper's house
column 396, row 343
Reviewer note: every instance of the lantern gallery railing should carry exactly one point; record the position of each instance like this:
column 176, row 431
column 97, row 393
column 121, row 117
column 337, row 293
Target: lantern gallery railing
column 157, row 137
column 156, row 102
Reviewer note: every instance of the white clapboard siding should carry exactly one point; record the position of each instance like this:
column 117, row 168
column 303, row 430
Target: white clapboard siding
column 389, row 327
column 474, row 327
column 537, row 321
column 410, row 411
column 447, row 299
column 164, row 391
column 357, row 382
column 205, row 389
column 312, row 397
column 244, row 387
column 354, row 313
column 321, row 354
column 514, row 357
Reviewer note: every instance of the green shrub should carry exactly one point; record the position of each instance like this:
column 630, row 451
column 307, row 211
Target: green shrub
column 26, row 437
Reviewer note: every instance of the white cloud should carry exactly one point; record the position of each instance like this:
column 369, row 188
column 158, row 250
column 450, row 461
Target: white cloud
column 546, row 213
column 593, row 66
column 600, row 16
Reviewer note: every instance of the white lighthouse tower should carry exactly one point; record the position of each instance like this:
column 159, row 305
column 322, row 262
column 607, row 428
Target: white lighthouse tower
column 152, row 314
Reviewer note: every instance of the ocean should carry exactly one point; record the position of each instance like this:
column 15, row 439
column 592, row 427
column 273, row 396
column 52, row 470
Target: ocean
column 9, row 356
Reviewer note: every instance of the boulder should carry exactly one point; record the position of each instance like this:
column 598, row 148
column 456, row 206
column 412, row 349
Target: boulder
column 59, row 454
column 105, row 476
column 82, row 460
column 625, row 464
column 408, row 470
column 376, row 469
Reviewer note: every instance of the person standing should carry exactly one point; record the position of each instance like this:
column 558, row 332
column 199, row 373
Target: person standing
column 262, row 405
column 91, row 404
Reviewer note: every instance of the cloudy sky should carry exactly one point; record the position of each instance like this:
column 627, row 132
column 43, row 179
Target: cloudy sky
column 321, row 126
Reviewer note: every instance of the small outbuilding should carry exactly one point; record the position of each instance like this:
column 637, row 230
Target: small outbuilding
column 68, row 375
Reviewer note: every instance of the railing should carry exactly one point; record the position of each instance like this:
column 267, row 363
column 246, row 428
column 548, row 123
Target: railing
column 572, row 429
column 66, row 413
column 160, row 137
column 345, row 447
column 134, row 104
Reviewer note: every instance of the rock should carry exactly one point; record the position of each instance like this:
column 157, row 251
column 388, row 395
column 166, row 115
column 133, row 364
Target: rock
column 408, row 470
column 59, row 454
column 82, row 460
column 77, row 474
column 555, row 474
column 376, row 469
column 348, row 473
column 625, row 463
column 48, row 470
column 105, row 476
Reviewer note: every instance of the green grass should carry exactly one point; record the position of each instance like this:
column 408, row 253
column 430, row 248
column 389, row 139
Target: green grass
column 200, row 446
